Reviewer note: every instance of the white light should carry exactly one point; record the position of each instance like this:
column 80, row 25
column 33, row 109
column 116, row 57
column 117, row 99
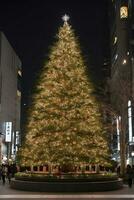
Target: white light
column 116, row 56
column 4, row 158
column 118, row 119
column 115, row 40
column 129, row 103
column 124, row 62
column 8, row 130
column 65, row 18
column 19, row 72
column 132, row 154
column 130, row 121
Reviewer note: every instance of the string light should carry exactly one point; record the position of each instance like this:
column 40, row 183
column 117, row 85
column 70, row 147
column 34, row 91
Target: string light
column 64, row 123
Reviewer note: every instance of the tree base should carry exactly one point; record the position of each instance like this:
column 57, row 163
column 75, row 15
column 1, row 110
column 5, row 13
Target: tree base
column 67, row 186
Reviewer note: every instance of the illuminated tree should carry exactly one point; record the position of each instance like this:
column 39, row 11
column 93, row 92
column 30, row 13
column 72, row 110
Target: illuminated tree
column 65, row 124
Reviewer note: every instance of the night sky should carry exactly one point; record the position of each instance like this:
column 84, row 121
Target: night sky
column 31, row 26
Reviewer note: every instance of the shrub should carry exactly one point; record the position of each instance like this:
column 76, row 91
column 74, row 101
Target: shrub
column 28, row 176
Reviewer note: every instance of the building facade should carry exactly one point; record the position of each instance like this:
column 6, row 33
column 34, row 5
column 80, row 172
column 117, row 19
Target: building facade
column 10, row 100
column 122, row 74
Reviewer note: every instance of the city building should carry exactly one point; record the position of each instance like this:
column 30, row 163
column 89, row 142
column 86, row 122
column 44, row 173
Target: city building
column 122, row 76
column 10, row 100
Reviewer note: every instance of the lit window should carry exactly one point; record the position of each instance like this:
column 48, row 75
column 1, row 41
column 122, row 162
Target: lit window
column 19, row 72
column 123, row 12
column 18, row 93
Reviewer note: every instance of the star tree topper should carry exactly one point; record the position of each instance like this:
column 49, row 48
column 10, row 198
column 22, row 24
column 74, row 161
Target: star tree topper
column 65, row 18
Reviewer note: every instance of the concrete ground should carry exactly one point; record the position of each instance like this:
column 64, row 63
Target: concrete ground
column 7, row 193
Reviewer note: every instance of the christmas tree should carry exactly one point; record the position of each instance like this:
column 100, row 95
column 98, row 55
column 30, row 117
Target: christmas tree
column 65, row 124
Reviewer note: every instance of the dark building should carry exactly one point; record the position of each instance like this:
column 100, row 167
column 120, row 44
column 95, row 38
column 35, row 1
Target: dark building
column 122, row 72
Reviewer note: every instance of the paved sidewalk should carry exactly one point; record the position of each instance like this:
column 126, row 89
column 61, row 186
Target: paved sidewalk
column 7, row 193
column 5, row 189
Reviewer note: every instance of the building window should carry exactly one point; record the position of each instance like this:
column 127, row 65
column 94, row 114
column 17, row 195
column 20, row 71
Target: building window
column 123, row 12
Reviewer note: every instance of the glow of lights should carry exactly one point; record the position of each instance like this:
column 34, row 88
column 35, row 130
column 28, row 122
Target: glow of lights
column 123, row 12
column 130, row 121
column 116, row 56
column 118, row 121
column 132, row 154
column 19, row 72
column 115, row 40
column 64, row 121
column 124, row 62
column 65, row 18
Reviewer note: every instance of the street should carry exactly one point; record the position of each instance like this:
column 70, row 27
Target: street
column 7, row 193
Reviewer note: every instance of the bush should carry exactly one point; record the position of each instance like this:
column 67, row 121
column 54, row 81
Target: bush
column 28, row 176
